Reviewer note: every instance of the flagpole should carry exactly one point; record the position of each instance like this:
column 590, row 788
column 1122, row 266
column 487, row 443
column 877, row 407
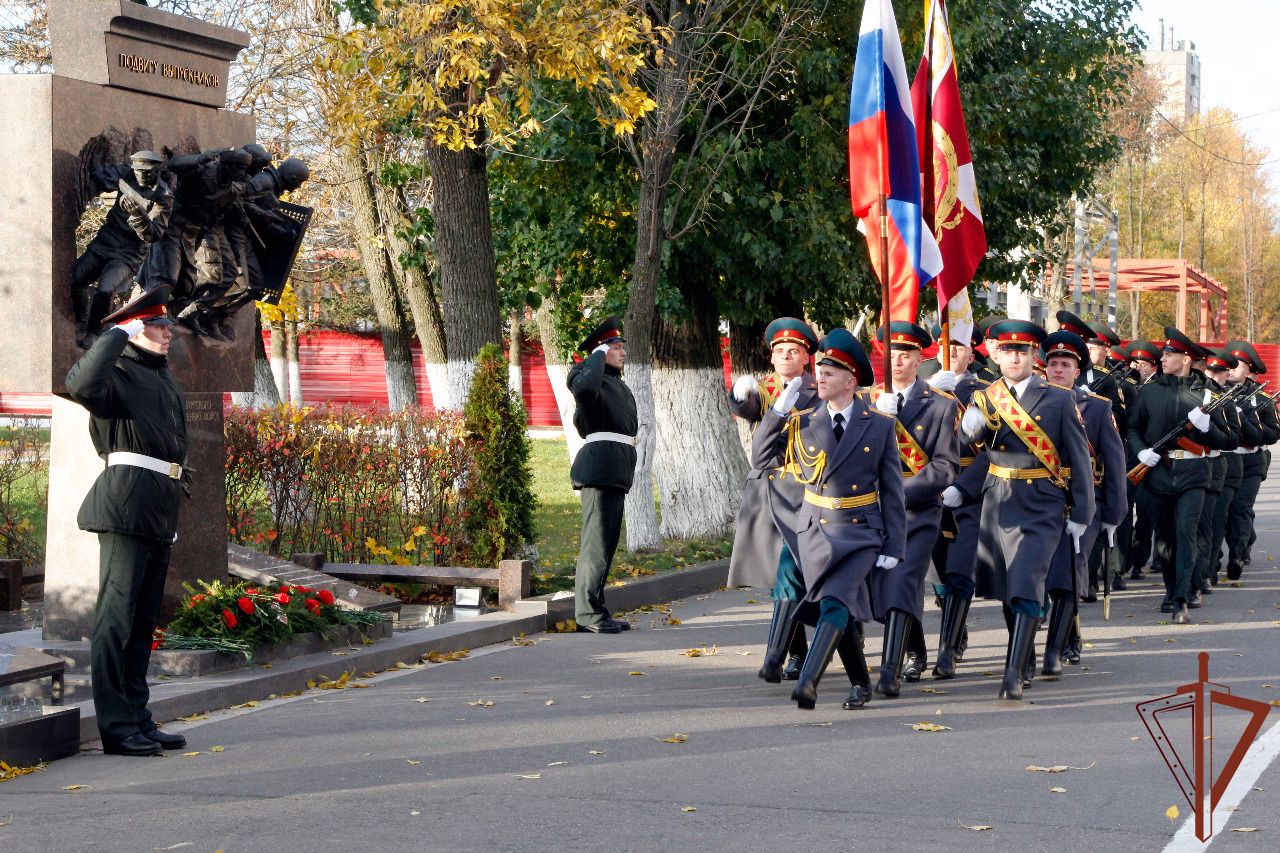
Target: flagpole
column 944, row 342
column 884, row 283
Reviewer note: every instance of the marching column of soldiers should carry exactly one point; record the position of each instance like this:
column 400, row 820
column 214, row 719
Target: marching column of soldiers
column 1042, row 470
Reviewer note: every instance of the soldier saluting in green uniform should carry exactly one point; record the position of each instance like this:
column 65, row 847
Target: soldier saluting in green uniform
column 603, row 470
column 138, row 425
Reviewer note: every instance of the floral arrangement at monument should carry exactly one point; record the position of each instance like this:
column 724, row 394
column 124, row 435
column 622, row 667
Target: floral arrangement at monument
column 239, row 617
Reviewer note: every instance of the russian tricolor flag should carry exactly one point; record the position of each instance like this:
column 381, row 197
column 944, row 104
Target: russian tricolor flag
column 883, row 159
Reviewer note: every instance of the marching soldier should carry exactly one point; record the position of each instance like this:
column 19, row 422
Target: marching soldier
column 764, row 546
column 603, row 470
column 1227, row 469
column 1135, row 536
column 1240, row 533
column 1174, row 488
column 1037, row 459
column 1064, row 354
column 925, row 429
column 852, row 520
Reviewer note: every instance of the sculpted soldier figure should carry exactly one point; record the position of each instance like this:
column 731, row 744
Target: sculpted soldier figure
column 603, row 470
column 1037, row 466
column 764, row 546
column 852, row 520
column 113, row 257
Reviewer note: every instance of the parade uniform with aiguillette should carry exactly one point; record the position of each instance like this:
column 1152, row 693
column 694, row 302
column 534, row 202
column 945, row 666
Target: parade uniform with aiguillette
column 603, row 470
column 1172, row 492
column 1240, row 531
column 138, row 426
column 764, row 546
column 852, row 513
column 925, row 432
column 1037, row 466
column 1067, row 572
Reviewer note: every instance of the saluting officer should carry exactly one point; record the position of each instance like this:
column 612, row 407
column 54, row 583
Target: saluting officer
column 1174, row 487
column 925, row 429
column 1256, row 461
column 1064, row 353
column 603, row 470
column 764, row 545
column 1037, row 465
column 852, row 520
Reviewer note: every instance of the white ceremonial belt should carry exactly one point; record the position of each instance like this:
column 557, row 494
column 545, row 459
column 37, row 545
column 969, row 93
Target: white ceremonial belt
column 171, row 470
column 610, row 436
column 1245, row 451
column 1213, row 454
column 1183, row 454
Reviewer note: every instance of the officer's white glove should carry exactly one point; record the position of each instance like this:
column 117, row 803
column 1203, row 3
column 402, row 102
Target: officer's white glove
column 1075, row 530
column 1149, row 457
column 884, row 561
column 952, row 497
column 944, row 380
column 972, row 422
column 744, row 387
column 787, row 398
column 131, row 327
column 1110, row 531
column 1199, row 419
column 601, row 348
column 887, row 403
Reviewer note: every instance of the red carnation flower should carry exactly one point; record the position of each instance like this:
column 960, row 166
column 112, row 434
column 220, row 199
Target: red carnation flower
column 313, row 605
column 245, row 604
column 229, row 618
column 251, row 591
column 281, row 597
column 325, row 596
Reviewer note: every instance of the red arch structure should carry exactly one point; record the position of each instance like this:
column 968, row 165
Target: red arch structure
column 1169, row 275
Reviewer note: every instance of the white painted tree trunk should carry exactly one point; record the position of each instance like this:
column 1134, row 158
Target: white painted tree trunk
column 460, row 373
column 292, row 358
column 401, row 390
column 701, row 467
column 264, row 394
column 559, row 376
column 279, row 367
column 641, row 510
column 438, row 379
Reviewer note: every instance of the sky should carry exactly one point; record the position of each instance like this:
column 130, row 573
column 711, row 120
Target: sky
column 1234, row 39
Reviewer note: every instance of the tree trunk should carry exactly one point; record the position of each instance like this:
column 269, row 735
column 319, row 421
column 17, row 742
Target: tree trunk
column 279, row 362
column 513, row 357
column 401, row 389
column 291, row 359
column 264, row 394
column 558, row 363
column 464, row 247
column 699, row 498
column 747, row 352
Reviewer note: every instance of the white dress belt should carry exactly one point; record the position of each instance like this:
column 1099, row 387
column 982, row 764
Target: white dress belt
column 171, row 470
column 610, row 436
column 1245, row 451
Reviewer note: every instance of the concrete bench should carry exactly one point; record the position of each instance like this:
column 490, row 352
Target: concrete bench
column 19, row 665
column 510, row 578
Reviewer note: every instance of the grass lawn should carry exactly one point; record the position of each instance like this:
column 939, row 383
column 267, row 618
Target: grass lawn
column 559, row 520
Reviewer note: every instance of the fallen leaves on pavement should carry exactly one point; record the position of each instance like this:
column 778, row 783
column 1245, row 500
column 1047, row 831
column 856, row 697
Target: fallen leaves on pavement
column 928, row 727
column 1171, row 812
column 8, row 771
column 75, row 787
column 977, row 827
column 482, row 703
column 1057, row 768
column 529, row 776
column 675, row 738
column 191, row 718
column 442, row 657
column 687, row 809
column 637, row 672
column 700, row 652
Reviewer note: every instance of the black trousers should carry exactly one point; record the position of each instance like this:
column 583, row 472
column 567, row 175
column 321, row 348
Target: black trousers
column 601, row 528
column 1240, row 518
column 131, row 573
column 1175, row 519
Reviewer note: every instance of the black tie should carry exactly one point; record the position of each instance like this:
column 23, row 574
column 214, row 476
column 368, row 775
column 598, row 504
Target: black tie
column 1013, row 392
column 900, row 401
column 838, row 426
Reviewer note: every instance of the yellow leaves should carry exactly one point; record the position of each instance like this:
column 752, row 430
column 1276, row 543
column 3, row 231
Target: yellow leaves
column 568, row 626
column 412, row 762
column 1171, row 813
column 253, row 703
column 1057, row 768
column 675, row 738
column 549, row 702
column 687, row 809
column 977, row 827
column 76, row 787
column 339, row 683
column 1056, row 790
column 671, row 620
column 481, row 703
column 441, row 657
column 637, row 672
column 191, row 754
column 422, row 700
column 933, row 690
column 217, row 749
column 8, row 771
column 522, row 640
column 529, row 776
column 191, row 718
column 928, row 727
column 700, row 652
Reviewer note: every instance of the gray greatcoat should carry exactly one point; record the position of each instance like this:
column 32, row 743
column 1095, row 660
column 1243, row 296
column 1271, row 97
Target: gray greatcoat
column 838, row 547
column 961, row 553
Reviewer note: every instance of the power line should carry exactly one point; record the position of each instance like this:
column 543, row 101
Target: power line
column 1208, row 151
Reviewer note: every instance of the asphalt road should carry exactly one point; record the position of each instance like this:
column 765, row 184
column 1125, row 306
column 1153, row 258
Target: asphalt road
column 571, row 756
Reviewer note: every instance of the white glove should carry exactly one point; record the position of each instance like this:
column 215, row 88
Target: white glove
column 944, row 380
column 1199, row 419
column 972, row 422
column 744, row 386
column 601, row 348
column 887, row 403
column 952, row 497
column 884, row 561
column 1149, row 457
column 1110, row 531
column 131, row 327
column 787, row 398
column 1075, row 530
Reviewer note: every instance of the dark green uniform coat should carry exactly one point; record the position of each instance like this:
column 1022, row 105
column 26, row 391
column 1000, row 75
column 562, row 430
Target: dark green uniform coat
column 605, row 404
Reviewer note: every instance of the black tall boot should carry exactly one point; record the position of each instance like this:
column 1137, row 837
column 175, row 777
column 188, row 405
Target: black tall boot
column 1020, row 642
column 1061, row 618
column 825, row 640
column 799, row 648
column 99, row 308
column 895, row 645
column 784, row 611
column 955, row 610
column 917, row 657
column 855, row 666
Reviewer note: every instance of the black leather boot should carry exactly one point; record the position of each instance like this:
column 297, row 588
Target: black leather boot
column 784, row 610
column 1029, row 665
column 1060, row 622
column 917, row 657
column 799, row 648
column 825, row 640
column 955, row 610
column 1020, row 642
column 855, row 666
column 895, row 645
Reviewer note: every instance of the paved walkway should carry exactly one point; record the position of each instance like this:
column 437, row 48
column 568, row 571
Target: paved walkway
column 562, row 746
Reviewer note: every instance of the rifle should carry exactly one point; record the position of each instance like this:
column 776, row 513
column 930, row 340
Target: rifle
column 1178, row 433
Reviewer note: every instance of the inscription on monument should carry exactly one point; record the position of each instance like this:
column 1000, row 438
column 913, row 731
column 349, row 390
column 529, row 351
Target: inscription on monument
column 162, row 70
column 143, row 65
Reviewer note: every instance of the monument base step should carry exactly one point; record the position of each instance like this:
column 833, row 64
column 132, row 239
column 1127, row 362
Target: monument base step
column 53, row 734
